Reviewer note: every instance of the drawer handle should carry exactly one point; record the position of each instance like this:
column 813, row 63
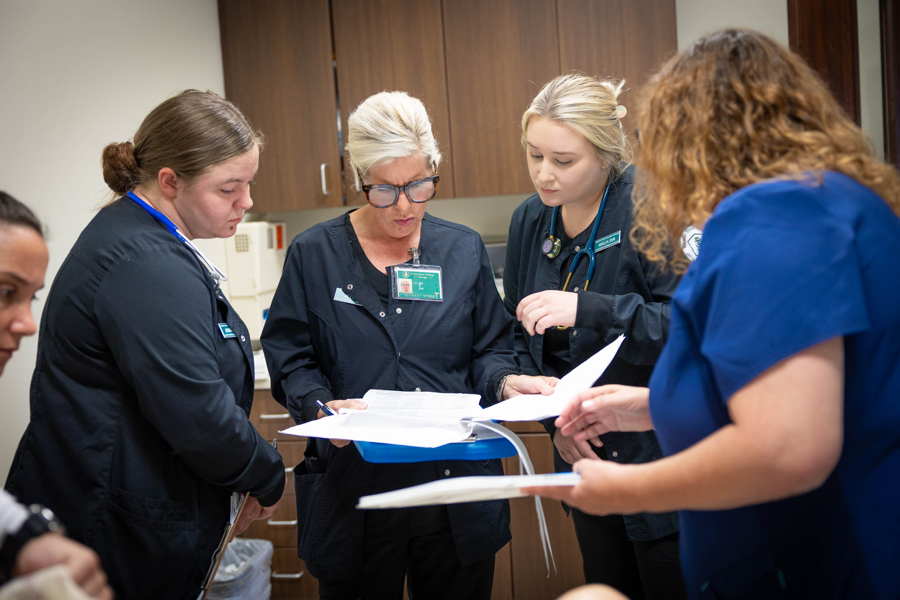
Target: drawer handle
column 324, row 183
column 289, row 469
column 267, row 417
column 277, row 575
column 272, row 523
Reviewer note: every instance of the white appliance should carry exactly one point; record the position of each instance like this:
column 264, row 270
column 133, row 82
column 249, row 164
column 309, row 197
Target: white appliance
column 255, row 257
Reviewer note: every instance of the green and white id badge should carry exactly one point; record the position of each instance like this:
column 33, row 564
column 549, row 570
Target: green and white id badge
column 417, row 282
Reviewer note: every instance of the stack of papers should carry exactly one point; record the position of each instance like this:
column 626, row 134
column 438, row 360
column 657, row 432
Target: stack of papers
column 429, row 420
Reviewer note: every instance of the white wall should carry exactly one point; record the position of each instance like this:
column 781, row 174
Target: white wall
column 74, row 77
column 698, row 17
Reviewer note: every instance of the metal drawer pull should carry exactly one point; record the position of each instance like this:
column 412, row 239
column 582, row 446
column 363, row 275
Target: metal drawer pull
column 324, row 184
column 356, row 184
column 277, row 575
column 266, row 417
column 281, row 523
column 289, row 469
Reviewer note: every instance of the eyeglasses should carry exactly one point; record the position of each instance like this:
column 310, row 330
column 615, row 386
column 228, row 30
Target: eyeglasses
column 385, row 196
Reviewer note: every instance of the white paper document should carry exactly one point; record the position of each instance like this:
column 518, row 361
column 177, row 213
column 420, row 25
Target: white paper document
column 466, row 489
column 387, row 428
column 423, row 405
column 534, row 407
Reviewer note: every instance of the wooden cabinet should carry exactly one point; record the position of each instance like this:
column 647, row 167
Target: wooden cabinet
column 499, row 55
column 393, row 45
column 290, row 579
column 279, row 70
column 623, row 39
column 476, row 65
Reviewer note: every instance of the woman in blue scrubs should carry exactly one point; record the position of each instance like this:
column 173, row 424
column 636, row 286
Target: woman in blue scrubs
column 140, row 398
column 775, row 399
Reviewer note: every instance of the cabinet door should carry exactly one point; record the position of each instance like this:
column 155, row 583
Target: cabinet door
column 623, row 39
column 393, row 45
column 279, row 70
column 499, row 55
column 530, row 581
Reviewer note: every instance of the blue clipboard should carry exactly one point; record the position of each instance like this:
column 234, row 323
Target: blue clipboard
column 375, row 452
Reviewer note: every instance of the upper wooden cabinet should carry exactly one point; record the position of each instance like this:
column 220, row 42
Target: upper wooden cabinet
column 499, row 54
column 622, row 39
column 393, row 45
column 475, row 64
column 277, row 59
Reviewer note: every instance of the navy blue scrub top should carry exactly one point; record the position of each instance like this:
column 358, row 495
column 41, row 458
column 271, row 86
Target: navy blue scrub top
column 786, row 265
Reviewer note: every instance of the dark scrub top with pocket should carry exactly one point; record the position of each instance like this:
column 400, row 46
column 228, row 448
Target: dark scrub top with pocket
column 786, row 265
column 139, row 425
column 330, row 336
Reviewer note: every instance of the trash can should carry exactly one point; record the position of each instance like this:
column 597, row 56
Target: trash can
column 245, row 572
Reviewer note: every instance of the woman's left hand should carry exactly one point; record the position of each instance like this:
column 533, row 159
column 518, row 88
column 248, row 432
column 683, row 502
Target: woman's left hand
column 600, row 492
column 543, row 310
column 525, row 384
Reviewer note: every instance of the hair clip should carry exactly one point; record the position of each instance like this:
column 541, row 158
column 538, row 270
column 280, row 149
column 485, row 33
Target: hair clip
column 621, row 111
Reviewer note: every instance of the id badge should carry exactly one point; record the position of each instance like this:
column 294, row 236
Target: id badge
column 417, row 282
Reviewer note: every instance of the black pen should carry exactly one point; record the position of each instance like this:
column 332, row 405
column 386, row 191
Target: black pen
column 325, row 409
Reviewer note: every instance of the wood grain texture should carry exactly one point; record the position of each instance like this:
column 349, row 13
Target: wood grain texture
column 621, row 39
column 277, row 60
column 890, row 85
column 499, row 54
column 393, row 45
column 285, row 561
column 825, row 34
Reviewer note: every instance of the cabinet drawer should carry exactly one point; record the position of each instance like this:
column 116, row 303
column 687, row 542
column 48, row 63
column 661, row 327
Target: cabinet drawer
column 269, row 417
column 280, row 528
column 290, row 579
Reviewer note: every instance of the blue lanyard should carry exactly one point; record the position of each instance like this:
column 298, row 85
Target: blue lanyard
column 214, row 272
column 588, row 249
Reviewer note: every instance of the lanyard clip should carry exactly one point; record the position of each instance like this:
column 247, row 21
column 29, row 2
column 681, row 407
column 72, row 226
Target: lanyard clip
column 414, row 252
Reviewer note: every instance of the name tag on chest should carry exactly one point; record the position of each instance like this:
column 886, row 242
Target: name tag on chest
column 420, row 282
column 607, row 241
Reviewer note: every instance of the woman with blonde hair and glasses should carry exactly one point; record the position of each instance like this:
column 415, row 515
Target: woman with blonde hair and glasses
column 576, row 283
column 388, row 297
column 775, row 399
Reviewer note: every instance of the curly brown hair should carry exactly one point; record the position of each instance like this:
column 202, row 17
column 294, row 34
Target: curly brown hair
column 733, row 109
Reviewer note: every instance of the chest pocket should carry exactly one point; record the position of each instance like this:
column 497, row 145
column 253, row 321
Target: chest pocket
column 458, row 336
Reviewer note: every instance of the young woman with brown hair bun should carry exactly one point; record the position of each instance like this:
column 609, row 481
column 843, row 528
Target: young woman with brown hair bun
column 144, row 379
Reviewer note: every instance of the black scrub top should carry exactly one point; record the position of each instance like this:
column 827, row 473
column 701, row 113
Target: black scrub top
column 139, row 425
column 329, row 336
column 626, row 295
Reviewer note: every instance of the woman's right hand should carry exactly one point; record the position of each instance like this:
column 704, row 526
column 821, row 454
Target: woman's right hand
column 606, row 408
column 336, row 405
column 572, row 450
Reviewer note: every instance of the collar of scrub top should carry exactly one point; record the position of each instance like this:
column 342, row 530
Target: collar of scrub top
column 214, row 271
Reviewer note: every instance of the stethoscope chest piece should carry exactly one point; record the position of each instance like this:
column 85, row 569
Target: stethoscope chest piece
column 551, row 246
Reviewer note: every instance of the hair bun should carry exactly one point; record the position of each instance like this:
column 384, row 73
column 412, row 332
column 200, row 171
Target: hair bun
column 120, row 169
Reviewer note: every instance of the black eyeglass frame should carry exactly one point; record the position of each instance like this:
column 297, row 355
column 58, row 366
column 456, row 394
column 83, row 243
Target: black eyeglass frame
column 397, row 189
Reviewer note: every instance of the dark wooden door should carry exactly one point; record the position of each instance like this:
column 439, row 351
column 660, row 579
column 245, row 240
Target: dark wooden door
column 393, row 45
column 499, row 55
column 278, row 64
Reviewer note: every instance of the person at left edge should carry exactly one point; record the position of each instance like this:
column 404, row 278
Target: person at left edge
column 335, row 330
column 140, row 398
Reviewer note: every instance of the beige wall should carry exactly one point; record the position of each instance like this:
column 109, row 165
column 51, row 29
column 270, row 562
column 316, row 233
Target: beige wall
column 75, row 76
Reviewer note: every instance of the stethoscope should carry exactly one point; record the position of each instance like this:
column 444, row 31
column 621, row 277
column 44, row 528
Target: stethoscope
column 552, row 246
column 213, row 270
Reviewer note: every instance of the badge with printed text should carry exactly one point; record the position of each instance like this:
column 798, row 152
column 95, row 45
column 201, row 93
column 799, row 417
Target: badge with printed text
column 607, row 241
column 417, row 282
column 226, row 331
